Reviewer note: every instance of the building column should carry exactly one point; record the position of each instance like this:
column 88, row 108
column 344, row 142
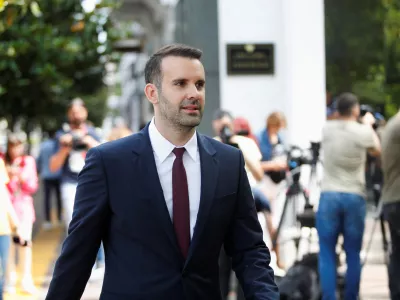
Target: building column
column 295, row 28
column 304, row 64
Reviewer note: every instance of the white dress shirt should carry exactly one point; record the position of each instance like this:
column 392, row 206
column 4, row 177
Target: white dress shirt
column 164, row 158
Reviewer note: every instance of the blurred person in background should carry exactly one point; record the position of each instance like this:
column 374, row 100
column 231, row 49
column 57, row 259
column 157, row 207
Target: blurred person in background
column 390, row 197
column 224, row 128
column 342, row 206
column 272, row 148
column 242, row 128
column 273, row 161
column 73, row 141
column 23, row 183
column 331, row 111
column 9, row 224
column 51, row 180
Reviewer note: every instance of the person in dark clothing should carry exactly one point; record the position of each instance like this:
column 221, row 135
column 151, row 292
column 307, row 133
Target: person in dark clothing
column 51, row 180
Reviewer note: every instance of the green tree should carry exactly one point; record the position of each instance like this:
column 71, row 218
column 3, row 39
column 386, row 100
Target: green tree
column 354, row 43
column 363, row 50
column 392, row 54
column 51, row 51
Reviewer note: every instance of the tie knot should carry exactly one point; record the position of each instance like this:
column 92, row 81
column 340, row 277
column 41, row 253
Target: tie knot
column 179, row 152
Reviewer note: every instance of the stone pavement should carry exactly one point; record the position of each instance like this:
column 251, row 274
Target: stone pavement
column 374, row 281
column 374, row 284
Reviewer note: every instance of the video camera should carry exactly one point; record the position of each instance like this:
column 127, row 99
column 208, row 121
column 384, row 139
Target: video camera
column 298, row 157
column 365, row 108
column 225, row 135
column 77, row 143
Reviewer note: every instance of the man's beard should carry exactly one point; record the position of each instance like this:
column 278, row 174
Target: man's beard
column 177, row 117
column 76, row 122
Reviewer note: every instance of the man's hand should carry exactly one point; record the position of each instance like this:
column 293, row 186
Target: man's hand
column 12, row 171
column 58, row 159
column 66, row 140
column 368, row 119
column 274, row 165
column 280, row 165
column 89, row 141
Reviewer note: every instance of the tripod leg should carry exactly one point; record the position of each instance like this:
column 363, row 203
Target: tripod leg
column 307, row 205
column 378, row 216
column 385, row 243
column 369, row 243
column 278, row 230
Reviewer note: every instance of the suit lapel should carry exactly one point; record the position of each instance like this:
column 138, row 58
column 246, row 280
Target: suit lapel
column 209, row 175
column 144, row 158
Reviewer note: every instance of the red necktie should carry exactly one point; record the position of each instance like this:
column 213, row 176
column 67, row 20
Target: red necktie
column 180, row 200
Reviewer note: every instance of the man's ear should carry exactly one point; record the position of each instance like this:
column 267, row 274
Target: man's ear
column 151, row 93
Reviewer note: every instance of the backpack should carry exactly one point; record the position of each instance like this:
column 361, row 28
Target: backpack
column 301, row 281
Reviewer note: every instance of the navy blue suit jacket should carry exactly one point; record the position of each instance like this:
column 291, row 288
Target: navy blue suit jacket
column 120, row 201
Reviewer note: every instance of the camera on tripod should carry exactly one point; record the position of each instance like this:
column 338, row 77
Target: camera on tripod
column 296, row 158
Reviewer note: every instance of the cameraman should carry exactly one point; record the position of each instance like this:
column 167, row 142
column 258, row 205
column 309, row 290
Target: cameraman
column 224, row 128
column 391, row 197
column 342, row 206
column 74, row 140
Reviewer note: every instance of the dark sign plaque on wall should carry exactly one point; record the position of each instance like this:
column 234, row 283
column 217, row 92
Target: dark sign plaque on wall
column 250, row 59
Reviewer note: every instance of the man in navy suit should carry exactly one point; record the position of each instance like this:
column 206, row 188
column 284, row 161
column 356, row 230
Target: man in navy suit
column 164, row 201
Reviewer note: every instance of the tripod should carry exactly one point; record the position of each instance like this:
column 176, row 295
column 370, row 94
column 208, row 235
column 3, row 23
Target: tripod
column 306, row 218
column 315, row 150
column 379, row 218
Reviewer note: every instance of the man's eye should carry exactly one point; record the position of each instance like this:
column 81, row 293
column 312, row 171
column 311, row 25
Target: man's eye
column 179, row 83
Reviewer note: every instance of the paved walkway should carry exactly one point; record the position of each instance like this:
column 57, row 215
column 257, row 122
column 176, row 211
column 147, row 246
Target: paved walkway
column 373, row 284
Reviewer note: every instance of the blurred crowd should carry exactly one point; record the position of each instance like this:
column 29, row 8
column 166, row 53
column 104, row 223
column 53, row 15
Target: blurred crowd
column 62, row 157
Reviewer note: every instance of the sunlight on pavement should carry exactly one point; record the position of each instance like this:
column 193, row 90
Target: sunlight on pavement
column 45, row 251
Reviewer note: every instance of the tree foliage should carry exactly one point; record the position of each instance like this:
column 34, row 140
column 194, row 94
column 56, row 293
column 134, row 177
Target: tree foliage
column 51, row 51
column 362, row 50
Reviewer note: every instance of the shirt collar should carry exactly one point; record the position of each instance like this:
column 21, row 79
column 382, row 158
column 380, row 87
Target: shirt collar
column 163, row 148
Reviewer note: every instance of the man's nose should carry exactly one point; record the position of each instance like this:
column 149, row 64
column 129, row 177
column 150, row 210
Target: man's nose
column 193, row 92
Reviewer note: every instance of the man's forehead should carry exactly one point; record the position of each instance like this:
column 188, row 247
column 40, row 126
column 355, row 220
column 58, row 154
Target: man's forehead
column 76, row 108
column 172, row 66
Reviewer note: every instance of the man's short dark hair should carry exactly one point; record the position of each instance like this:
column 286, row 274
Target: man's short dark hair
column 345, row 103
column 76, row 102
column 219, row 114
column 152, row 71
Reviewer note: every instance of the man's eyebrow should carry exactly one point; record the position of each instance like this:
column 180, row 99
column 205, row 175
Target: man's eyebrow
column 179, row 79
column 186, row 80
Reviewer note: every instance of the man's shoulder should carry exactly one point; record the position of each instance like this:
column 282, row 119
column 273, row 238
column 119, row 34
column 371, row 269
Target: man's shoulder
column 393, row 125
column 390, row 134
column 60, row 132
column 356, row 127
column 122, row 144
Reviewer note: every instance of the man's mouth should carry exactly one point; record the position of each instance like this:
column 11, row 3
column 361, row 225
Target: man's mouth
column 191, row 108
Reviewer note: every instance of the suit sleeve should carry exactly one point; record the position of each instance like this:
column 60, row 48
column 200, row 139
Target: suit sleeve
column 90, row 216
column 244, row 243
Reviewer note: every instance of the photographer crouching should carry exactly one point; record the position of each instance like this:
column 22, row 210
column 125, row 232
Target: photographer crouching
column 342, row 207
